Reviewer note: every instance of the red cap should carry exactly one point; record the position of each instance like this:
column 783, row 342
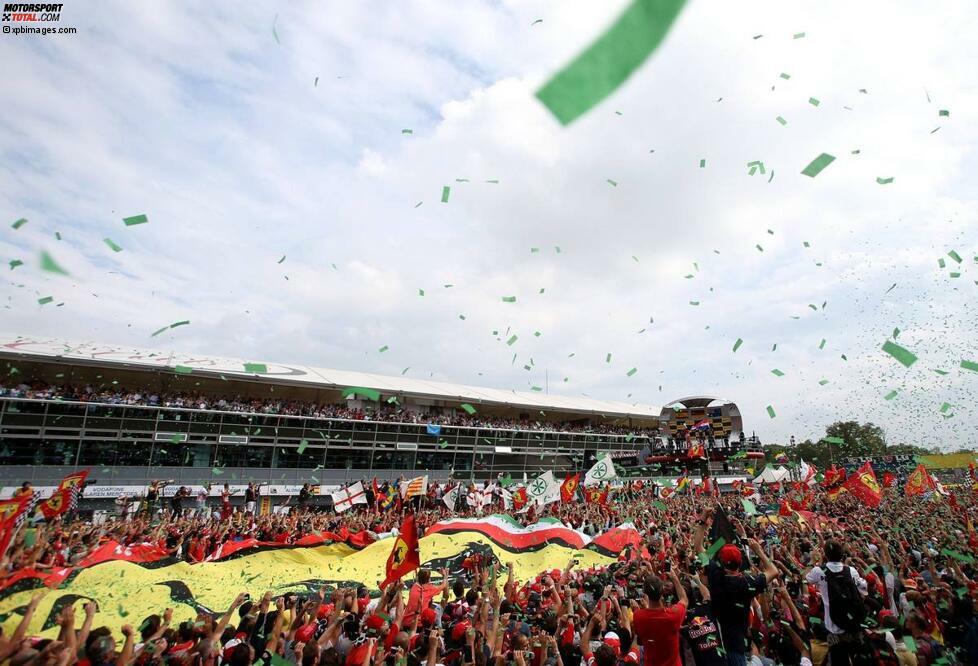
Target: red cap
column 324, row 611
column 428, row 617
column 374, row 624
column 458, row 631
column 730, row 554
column 306, row 632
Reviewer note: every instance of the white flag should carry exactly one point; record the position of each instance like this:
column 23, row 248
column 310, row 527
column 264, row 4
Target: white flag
column 451, row 497
column 544, row 489
column 807, row 473
column 487, row 494
column 345, row 498
column 601, row 471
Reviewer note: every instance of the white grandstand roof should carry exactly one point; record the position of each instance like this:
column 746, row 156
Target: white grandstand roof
column 91, row 353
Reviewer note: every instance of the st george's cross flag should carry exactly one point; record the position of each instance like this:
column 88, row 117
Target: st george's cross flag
column 345, row 498
column 603, row 470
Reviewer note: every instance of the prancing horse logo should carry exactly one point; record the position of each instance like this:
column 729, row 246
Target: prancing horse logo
column 400, row 552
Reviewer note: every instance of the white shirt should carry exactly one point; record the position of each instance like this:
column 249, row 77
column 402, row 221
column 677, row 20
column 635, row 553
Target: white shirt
column 817, row 576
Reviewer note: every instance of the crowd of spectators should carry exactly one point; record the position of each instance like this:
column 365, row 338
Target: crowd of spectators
column 392, row 412
column 895, row 585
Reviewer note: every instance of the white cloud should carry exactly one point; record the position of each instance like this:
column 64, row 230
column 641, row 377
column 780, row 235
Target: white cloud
column 197, row 117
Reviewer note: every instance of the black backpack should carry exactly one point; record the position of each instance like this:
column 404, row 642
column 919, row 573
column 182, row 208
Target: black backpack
column 846, row 607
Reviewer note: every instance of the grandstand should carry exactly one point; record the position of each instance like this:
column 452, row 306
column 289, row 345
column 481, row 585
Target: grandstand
column 132, row 415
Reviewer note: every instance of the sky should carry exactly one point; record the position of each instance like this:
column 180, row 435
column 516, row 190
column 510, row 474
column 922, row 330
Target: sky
column 292, row 218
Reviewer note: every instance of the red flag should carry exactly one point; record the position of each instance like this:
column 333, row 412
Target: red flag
column 863, row 484
column 57, row 504
column 568, row 489
column 784, row 510
column 595, row 495
column 889, row 479
column 404, row 557
column 706, row 487
column 519, row 498
column 10, row 510
column 919, row 482
column 696, row 451
column 76, row 480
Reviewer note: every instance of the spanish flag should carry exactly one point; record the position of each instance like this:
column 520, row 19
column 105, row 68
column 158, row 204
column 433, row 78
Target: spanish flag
column 863, row 484
column 404, row 557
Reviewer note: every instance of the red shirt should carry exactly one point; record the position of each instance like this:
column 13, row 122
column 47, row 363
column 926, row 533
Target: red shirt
column 658, row 630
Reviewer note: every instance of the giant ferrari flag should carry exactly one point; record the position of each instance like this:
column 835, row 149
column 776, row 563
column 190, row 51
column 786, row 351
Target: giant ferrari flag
column 404, row 557
column 863, row 485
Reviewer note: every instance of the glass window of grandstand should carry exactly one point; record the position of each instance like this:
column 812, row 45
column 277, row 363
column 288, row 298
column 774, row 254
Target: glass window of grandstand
column 364, row 432
column 115, row 452
column 288, row 457
column 68, row 416
column 172, row 454
column 387, row 459
column 243, row 455
column 136, row 420
column 347, row 458
column 27, row 451
column 436, row 460
column 388, row 432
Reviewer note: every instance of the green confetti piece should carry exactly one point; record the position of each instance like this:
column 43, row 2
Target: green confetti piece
column 182, row 369
column 282, row 259
column 122, row 611
column 134, row 220
column 509, row 299
column 607, row 359
column 770, row 411
column 955, row 275
column 969, row 365
column 661, row 506
column 216, row 471
column 255, row 368
column 632, row 372
column 749, row 507
column 834, row 440
column 494, row 181
column 383, row 349
column 813, row 101
column 613, row 183
column 369, row 394
column 940, row 262
column 843, row 357
column 821, row 345
column 14, row 263
column 798, row 35
column 45, row 300
column 702, row 163
column 513, row 338
column 737, row 344
column 536, row 388
column 759, row 248
column 777, row 373
column 884, row 181
column 469, row 409
column 944, row 407
column 944, row 113
column 50, row 265
column 954, row 255
column 823, row 382
column 407, row 131
column 785, row 76
column 19, row 223
column 899, row 353
column 816, row 166
column 890, row 395
column 404, row 371
column 781, row 120
column 609, row 60
column 445, row 192
column 896, row 333
column 112, row 245
column 694, row 302
column 715, row 548
column 302, row 446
